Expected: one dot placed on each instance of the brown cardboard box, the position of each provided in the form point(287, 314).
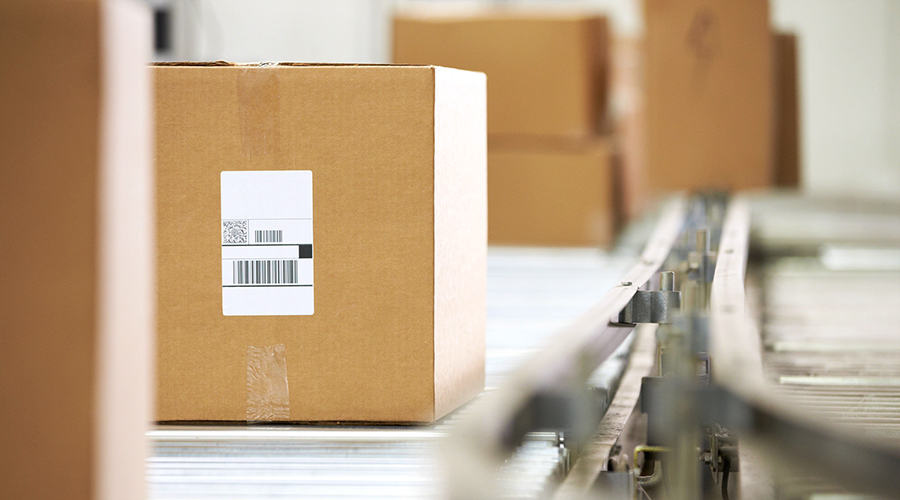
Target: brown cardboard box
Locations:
point(546, 72)
point(551, 193)
point(628, 118)
point(395, 159)
point(77, 298)
point(787, 111)
point(709, 95)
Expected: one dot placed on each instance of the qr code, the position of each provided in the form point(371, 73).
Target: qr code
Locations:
point(235, 231)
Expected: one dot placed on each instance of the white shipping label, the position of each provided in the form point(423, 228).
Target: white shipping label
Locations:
point(267, 237)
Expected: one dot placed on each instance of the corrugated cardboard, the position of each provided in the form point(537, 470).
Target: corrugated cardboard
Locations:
point(77, 302)
point(709, 96)
point(787, 111)
point(398, 157)
point(546, 72)
point(551, 193)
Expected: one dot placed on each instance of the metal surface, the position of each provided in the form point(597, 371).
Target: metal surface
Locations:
point(594, 459)
point(653, 306)
point(834, 333)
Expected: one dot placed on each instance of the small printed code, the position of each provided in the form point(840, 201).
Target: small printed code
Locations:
point(235, 231)
point(268, 236)
point(265, 272)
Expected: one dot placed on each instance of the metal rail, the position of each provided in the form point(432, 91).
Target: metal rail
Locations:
point(594, 458)
point(548, 391)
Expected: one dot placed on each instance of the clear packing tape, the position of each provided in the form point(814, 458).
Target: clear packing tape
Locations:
point(267, 384)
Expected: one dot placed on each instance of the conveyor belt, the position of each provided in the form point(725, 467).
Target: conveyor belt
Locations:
point(833, 349)
point(822, 416)
point(804, 351)
point(532, 293)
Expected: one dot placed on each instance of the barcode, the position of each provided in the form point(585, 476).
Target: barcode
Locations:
point(265, 272)
point(268, 236)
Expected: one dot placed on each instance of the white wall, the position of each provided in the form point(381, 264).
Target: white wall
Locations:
point(284, 30)
point(849, 66)
point(850, 93)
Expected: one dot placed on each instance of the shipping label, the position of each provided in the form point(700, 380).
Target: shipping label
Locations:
point(267, 243)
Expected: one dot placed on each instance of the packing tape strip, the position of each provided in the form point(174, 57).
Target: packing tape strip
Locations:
point(258, 91)
point(267, 384)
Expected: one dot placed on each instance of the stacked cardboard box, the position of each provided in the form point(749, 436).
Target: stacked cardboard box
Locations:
point(550, 193)
point(550, 173)
point(708, 100)
point(708, 94)
point(322, 241)
point(76, 304)
point(627, 115)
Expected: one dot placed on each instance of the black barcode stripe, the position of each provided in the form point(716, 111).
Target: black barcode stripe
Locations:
point(265, 272)
point(268, 236)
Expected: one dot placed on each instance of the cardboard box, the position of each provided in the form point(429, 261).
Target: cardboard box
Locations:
point(628, 118)
point(384, 316)
point(551, 193)
point(77, 303)
point(787, 111)
point(546, 72)
point(709, 96)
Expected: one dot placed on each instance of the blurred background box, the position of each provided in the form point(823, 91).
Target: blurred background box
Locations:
point(709, 94)
point(553, 193)
point(628, 119)
point(628, 115)
point(849, 103)
point(77, 304)
point(546, 71)
point(397, 270)
point(551, 175)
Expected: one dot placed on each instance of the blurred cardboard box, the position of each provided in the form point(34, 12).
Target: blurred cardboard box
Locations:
point(627, 115)
point(550, 177)
point(77, 304)
point(552, 193)
point(787, 111)
point(546, 71)
point(382, 319)
point(709, 94)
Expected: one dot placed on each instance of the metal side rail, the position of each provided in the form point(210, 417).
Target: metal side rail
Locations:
point(548, 391)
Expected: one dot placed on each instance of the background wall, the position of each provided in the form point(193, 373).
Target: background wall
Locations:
point(850, 92)
point(849, 65)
